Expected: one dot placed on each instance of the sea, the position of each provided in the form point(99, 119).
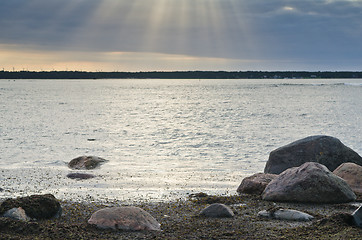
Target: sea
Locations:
point(164, 139)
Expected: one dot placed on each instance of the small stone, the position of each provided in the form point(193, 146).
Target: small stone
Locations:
point(357, 217)
point(217, 210)
point(124, 218)
point(17, 214)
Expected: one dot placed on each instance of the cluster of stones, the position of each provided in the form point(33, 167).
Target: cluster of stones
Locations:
point(316, 169)
point(298, 172)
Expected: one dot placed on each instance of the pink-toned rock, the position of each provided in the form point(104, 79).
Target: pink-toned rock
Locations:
point(124, 218)
point(256, 183)
point(85, 162)
point(325, 150)
point(352, 174)
point(312, 182)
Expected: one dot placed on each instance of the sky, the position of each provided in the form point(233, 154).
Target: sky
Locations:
point(181, 35)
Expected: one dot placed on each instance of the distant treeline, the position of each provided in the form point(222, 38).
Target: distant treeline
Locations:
point(174, 75)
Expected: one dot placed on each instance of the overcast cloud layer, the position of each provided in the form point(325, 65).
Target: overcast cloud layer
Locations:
point(247, 35)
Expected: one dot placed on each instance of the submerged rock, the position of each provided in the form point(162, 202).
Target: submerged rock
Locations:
point(80, 175)
point(256, 183)
point(85, 162)
point(124, 218)
point(325, 150)
point(35, 206)
point(311, 182)
point(285, 214)
point(217, 210)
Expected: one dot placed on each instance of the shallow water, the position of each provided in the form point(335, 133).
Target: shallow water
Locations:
point(163, 138)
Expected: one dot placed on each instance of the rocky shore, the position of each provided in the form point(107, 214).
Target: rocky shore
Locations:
point(297, 197)
point(181, 220)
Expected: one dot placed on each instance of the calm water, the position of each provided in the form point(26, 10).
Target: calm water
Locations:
point(163, 138)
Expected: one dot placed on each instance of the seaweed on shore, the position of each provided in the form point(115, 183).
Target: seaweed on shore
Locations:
point(178, 222)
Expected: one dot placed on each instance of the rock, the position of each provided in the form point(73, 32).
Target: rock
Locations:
point(17, 214)
point(217, 210)
point(124, 218)
point(1, 189)
point(285, 214)
point(80, 175)
point(256, 183)
point(326, 150)
point(312, 182)
point(357, 217)
point(85, 162)
point(352, 174)
point(35, 206)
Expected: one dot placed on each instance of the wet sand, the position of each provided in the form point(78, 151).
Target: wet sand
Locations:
point(180, 220)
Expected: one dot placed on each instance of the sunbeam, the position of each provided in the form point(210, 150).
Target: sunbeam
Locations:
point(299, 33)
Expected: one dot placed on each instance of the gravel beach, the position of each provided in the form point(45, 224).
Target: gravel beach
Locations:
point(180, 220)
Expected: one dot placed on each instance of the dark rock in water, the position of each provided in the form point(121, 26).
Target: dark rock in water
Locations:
point(217, 210)
point(357, 217)
point(124, 218)
point(256, 183)
point(80, 175)
point(85, 162)
point(325, 150)
point(352, 174)
point(1, 189)
point(312, 182)
point(35, 206)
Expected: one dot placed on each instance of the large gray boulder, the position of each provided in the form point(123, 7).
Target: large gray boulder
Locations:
point(326, 150)
point(352, 174)
point(124, 218)
point(255, 184)
point(85, 162)
point(312, 182)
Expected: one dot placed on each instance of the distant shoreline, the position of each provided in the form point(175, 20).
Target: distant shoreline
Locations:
point(177, 75)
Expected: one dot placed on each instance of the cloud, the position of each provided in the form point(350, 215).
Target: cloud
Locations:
point(297, 31)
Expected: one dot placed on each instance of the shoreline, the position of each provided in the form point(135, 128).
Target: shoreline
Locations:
point(179, 220)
